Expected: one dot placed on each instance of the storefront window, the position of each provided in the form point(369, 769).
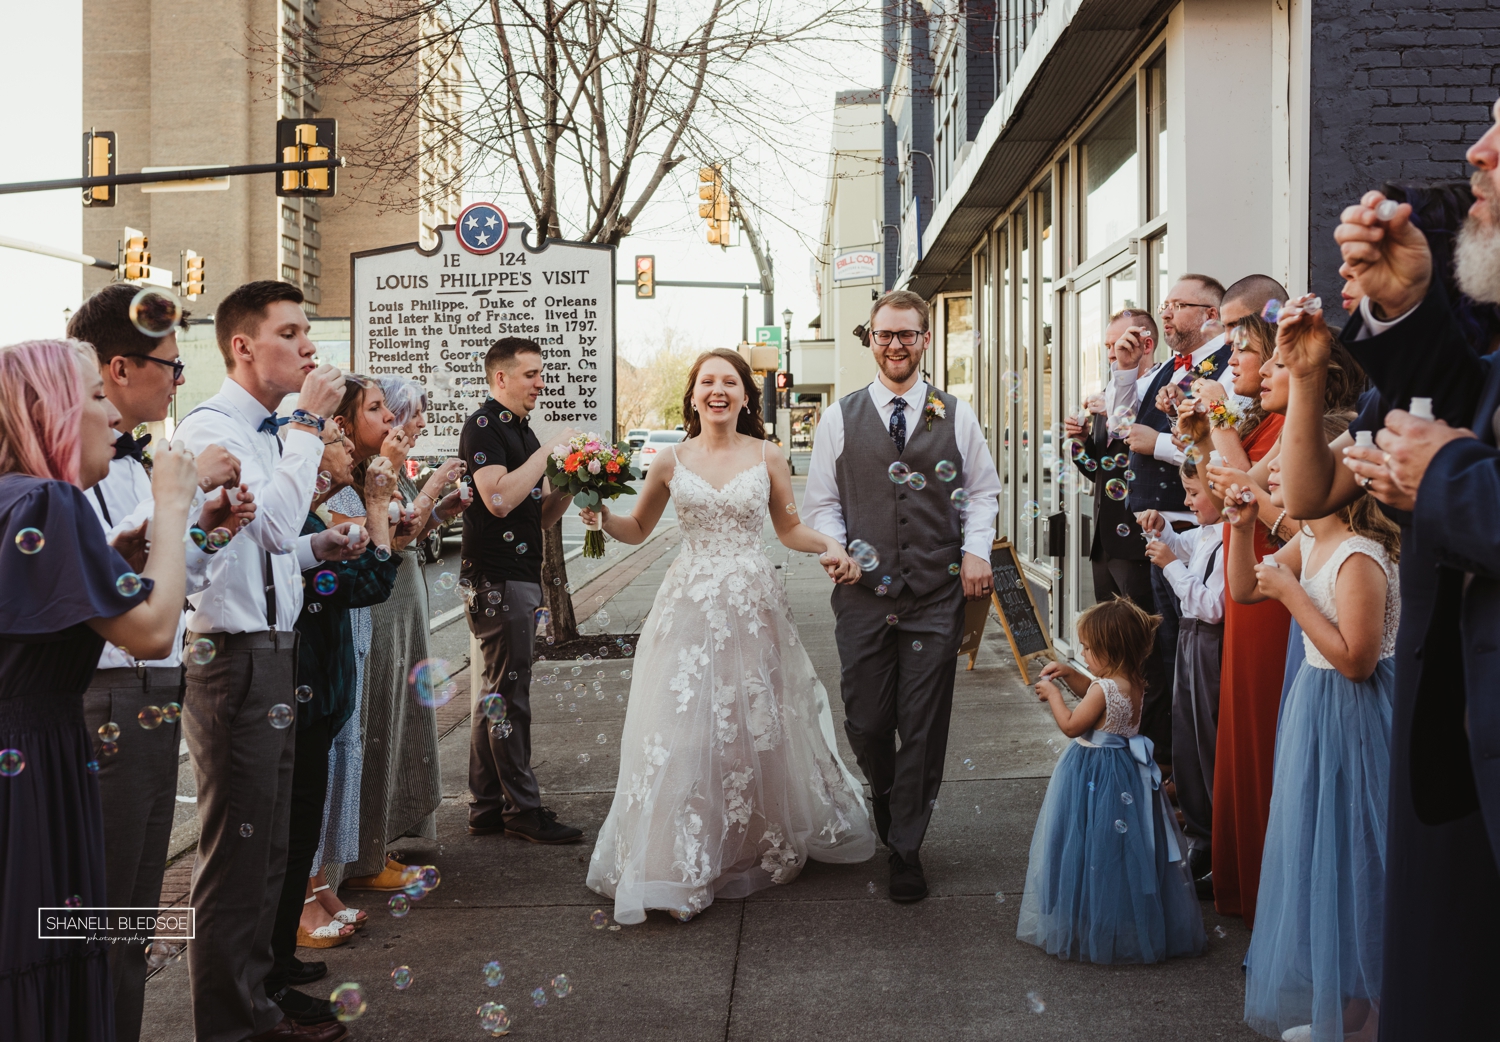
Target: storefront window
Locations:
point(1006, 398)
point(1030, 510)
point(1110, 186)
point(958, 339)
point(1050, 371)
point(1156, 132)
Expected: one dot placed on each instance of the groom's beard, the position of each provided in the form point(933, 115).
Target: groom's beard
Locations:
point(1476, 256)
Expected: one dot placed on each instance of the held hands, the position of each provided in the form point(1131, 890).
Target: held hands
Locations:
point(322, 390)
point(380, 482)
point(1389, 255)
point(217, 466)
point(336, 545)
point(1303, 340)
point(174, 478)
point(839, 565)
point(1410, 444)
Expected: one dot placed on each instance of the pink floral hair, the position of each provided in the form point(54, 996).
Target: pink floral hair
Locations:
point(42, 442)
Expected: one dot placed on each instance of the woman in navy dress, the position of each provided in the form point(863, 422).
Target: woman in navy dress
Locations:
point(63, 592)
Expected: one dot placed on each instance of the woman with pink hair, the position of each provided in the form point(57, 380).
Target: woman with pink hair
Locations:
point(64, 591)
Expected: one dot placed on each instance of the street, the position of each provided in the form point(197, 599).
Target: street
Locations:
point(827, 957)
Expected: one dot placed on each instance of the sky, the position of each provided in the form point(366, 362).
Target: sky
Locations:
point(788, 177)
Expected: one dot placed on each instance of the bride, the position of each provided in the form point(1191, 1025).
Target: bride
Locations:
point(730, 777)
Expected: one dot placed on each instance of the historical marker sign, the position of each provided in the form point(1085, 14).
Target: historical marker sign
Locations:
point(432, 315)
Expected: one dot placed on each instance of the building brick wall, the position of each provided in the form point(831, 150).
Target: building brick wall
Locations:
point(1399, 89)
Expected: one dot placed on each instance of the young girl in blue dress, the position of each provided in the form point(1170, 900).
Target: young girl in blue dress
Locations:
point(1313, 970)
point(1108, 881)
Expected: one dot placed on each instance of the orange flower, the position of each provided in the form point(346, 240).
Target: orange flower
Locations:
point(612, 467)
point(571, 463)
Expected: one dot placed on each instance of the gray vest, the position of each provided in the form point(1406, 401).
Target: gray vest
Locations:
point(917, 533)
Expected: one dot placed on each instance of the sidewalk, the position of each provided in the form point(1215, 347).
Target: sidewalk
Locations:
point(822, 958)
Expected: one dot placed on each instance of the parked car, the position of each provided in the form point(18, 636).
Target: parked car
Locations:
point(636, 438)
point(654, 443)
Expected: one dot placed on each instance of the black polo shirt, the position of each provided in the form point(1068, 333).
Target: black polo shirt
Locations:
point(488, 554)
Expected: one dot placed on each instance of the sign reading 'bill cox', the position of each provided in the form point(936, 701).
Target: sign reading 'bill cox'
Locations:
point(856, 264)
point(432, 315)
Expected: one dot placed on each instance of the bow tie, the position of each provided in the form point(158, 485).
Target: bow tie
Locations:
point(125, 445)
point(1182, 362)
point(272, 424)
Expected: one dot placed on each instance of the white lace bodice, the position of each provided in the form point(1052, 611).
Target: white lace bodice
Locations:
point(721, 521)
point(1320, 587)
point(1118, 711)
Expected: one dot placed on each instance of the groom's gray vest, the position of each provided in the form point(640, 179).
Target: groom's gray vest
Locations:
point(915, 532)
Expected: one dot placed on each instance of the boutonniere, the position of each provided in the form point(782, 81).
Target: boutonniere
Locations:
point(934, 409)
point(1206, 367)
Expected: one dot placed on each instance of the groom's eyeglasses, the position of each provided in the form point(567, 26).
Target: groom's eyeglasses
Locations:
point(883, 337)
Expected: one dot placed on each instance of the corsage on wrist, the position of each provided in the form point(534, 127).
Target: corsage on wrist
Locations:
point(1221, 415)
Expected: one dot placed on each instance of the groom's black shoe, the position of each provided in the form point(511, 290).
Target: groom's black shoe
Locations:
point(907, 881)
point(541, 826)
point(882, 807)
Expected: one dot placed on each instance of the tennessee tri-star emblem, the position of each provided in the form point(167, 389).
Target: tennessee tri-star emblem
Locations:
point(481, 228)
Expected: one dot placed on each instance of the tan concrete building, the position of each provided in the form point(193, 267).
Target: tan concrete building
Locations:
point(184, 83)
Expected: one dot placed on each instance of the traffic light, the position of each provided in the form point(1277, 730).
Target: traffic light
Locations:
point(192, 274)
point(301, 141)
point(645, 278)
point(136, 264)
point(99, 161)
point(716, 209)
point(784, 380)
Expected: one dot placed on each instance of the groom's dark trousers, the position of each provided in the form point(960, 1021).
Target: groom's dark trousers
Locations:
point(898, 680)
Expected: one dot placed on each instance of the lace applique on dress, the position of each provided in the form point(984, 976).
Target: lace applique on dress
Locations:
point(1118, 710)
point(1321, 587)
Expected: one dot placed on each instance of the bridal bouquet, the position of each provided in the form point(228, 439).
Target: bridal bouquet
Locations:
point(592, 470)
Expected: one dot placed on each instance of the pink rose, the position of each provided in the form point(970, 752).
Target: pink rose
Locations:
point(593, 466)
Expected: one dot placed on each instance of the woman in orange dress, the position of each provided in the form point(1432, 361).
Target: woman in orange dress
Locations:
point(1255, 635)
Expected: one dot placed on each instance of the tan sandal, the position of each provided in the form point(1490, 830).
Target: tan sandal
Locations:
point(348, 916)
point(329, 935)
point(394, 876)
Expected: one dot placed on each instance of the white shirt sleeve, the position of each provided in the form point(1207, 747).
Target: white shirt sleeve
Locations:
point(821, 508)
point(306, 559)
point(981, 481)
point(1167, 452)
point(1200, 600)
point(282, 500)
point(1122, 389)
point(1373, 326)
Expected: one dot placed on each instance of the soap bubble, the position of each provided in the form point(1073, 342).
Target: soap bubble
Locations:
point(1034, 1002)
point(598, 919)
point(1122, 529)
point(583, 758)
point(1011, 381)
point(864, 555)
point(999, 897)
point(520, 548)
point(600, 740)
point(401, 977)
point(1031, 510)
point(446, 581)
point(947, 470)
point(1121, 827)
point(479, 459)
point(109, 748)
point(538, 997)
point(1090, 465)
point(1127, 798)
point(482, 421)
point(246, 830)
point(1116, 489)
point(969, 765)
point(382, 553)
point(109, 732)
point(1239, 336)
point(891, 620)
point(129, 584)
point(304, 693)
point(602, 618)
point(916, 645)
point(509, 537)
point(1211, 328)
point(348, 1002)
point(1122, 460)
point(219, 538)
point(561, 986)
point(1387, 209)
point(399, 904)
point(1129, 475)
point(12, 762)
point(159, 954)
point(494, 1018)
point(92, 766)
point(1108, 463)
point(881, 590)
point(505, 416)
point(492, 707)
point(324, 482)
point(1220, 932)
point(325, 582)
point(916, 481)
point(202, 651)
point(155, 312)
point(171, 711)
point(625, 674)
point(536, 493)
point(953, 568)
point(899, 472)
point(503, 729)
point(150, 717)
point(494, 973)
point(1272, 311)
point(430, 683)
point(281, 716)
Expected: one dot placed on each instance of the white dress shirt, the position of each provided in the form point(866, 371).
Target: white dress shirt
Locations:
point(1165, 450)
point(235, 600)
point(821, 508)
point(1202, 596)
point(122, 501)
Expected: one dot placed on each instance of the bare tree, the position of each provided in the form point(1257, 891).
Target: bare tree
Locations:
point(581, 106)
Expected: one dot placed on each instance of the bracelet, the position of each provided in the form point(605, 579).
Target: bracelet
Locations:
point(1274, 535)
point(308, 419)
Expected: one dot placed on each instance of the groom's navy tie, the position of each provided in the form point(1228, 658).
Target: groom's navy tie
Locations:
point(898, 424)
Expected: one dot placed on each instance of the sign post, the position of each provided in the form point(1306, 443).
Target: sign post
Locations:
point(432, 315)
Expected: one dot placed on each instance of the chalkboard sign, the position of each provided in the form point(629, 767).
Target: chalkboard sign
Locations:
point(1018, 613)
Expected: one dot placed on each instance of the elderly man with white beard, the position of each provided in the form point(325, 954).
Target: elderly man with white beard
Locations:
point(1442, 886)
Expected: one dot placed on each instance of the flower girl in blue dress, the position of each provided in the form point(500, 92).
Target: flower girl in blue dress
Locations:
point(1108, 881)
point(1313, 970)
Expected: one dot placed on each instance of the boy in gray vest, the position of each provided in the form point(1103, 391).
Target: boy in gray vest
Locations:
point(887, 461)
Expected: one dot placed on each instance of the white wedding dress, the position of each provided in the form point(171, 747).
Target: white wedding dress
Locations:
point(730, 777)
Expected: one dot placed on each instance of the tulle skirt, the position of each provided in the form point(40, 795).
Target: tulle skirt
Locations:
point(1317, 943)
point(730, 778)
point(1099, 885)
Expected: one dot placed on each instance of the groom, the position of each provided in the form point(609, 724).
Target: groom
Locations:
point(898, 628)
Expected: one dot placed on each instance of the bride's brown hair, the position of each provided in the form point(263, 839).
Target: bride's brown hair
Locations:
point(749, 421)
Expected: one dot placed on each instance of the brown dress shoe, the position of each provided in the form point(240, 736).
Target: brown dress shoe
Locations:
point(288, 1031)
point(392, 877)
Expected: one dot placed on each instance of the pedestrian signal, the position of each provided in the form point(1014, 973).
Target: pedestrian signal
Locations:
point(192, 274)
point(784, 380)
point(302, 141)
point(716, 208)
point(99, 161)
point(136, 261)
point(645, 278)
